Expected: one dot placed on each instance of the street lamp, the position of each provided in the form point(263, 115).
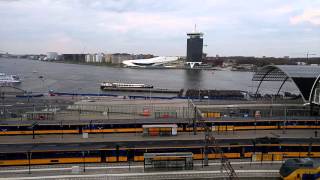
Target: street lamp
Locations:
point(29, 161)
point(285, 120)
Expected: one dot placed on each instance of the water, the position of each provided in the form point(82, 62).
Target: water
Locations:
point(85, 78)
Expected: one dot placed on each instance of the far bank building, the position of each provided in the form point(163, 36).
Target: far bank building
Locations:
point(194, 49)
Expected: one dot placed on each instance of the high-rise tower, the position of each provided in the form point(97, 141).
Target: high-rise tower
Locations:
point(194, 48)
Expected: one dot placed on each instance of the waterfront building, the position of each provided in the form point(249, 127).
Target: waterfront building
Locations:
point(77, 58)
point(301, 63)
point(88, 58)
point(214, 61)
point(150, 62)
point(107, 58)
point(228, 63)
point(194, 48)
point(94, 58)
point(118, 58)
point(142, 56)
point(99, 57)
point(6, 55)
point(51, 56)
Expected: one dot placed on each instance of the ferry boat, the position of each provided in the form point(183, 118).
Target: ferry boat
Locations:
point(106, 85)
point(4, 79)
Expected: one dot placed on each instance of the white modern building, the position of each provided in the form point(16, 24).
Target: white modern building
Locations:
point(151, 62)
point(94, 58)
point(51, 56)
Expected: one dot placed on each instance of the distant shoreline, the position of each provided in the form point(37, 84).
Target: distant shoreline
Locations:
point(120, 66)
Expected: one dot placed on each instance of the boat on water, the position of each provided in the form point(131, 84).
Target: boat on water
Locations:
point(9, 79)
point(108, 85)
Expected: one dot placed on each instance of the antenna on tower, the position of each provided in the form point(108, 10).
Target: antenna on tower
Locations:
point(195, 27)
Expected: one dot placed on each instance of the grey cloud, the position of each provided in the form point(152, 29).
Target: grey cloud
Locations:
point(151, 25)
point(121, 6)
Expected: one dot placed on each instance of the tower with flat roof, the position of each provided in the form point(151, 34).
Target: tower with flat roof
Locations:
point(194, 48)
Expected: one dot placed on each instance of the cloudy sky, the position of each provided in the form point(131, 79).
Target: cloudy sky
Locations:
point(231, 27)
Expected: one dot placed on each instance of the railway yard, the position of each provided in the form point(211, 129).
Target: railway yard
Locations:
point(108, 137)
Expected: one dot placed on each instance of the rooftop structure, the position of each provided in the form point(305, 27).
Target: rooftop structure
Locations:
point(314, 97)
point(303, 77)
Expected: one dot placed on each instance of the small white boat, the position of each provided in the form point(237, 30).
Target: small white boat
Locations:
point(4, 78)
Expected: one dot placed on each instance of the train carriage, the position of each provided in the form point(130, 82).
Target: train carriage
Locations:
point(50, 155)
point(22, 128)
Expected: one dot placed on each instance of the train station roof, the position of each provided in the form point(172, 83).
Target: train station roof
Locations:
point(302, 76)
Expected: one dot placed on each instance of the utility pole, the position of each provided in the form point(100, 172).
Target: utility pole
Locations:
point(309, 54)
point(84, 160)
point(29, 161)
point(195, 121)
point(61, 126)
point(196, 116)
point(33, 126)
point(285, 120)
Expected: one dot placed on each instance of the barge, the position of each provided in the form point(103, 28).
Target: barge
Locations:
point(106, 85)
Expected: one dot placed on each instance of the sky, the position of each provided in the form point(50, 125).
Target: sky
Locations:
point(231, 27)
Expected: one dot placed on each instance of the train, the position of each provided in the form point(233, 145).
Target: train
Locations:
point(300, 169)
point(110, 154)
point(26, 127)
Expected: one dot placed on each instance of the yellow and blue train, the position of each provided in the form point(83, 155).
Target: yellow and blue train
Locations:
point(300, 169)
point(217, 125)
point(67, 153)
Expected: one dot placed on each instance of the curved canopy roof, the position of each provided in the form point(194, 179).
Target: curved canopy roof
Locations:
point(315, 96)
point(302, 76)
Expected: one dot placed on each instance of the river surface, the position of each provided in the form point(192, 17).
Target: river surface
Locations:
point(75, 78)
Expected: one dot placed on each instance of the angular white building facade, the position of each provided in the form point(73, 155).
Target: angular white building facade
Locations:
point(152, 62)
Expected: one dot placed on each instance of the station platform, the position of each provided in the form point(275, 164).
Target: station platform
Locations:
point(98, 141)
point(125, 137)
